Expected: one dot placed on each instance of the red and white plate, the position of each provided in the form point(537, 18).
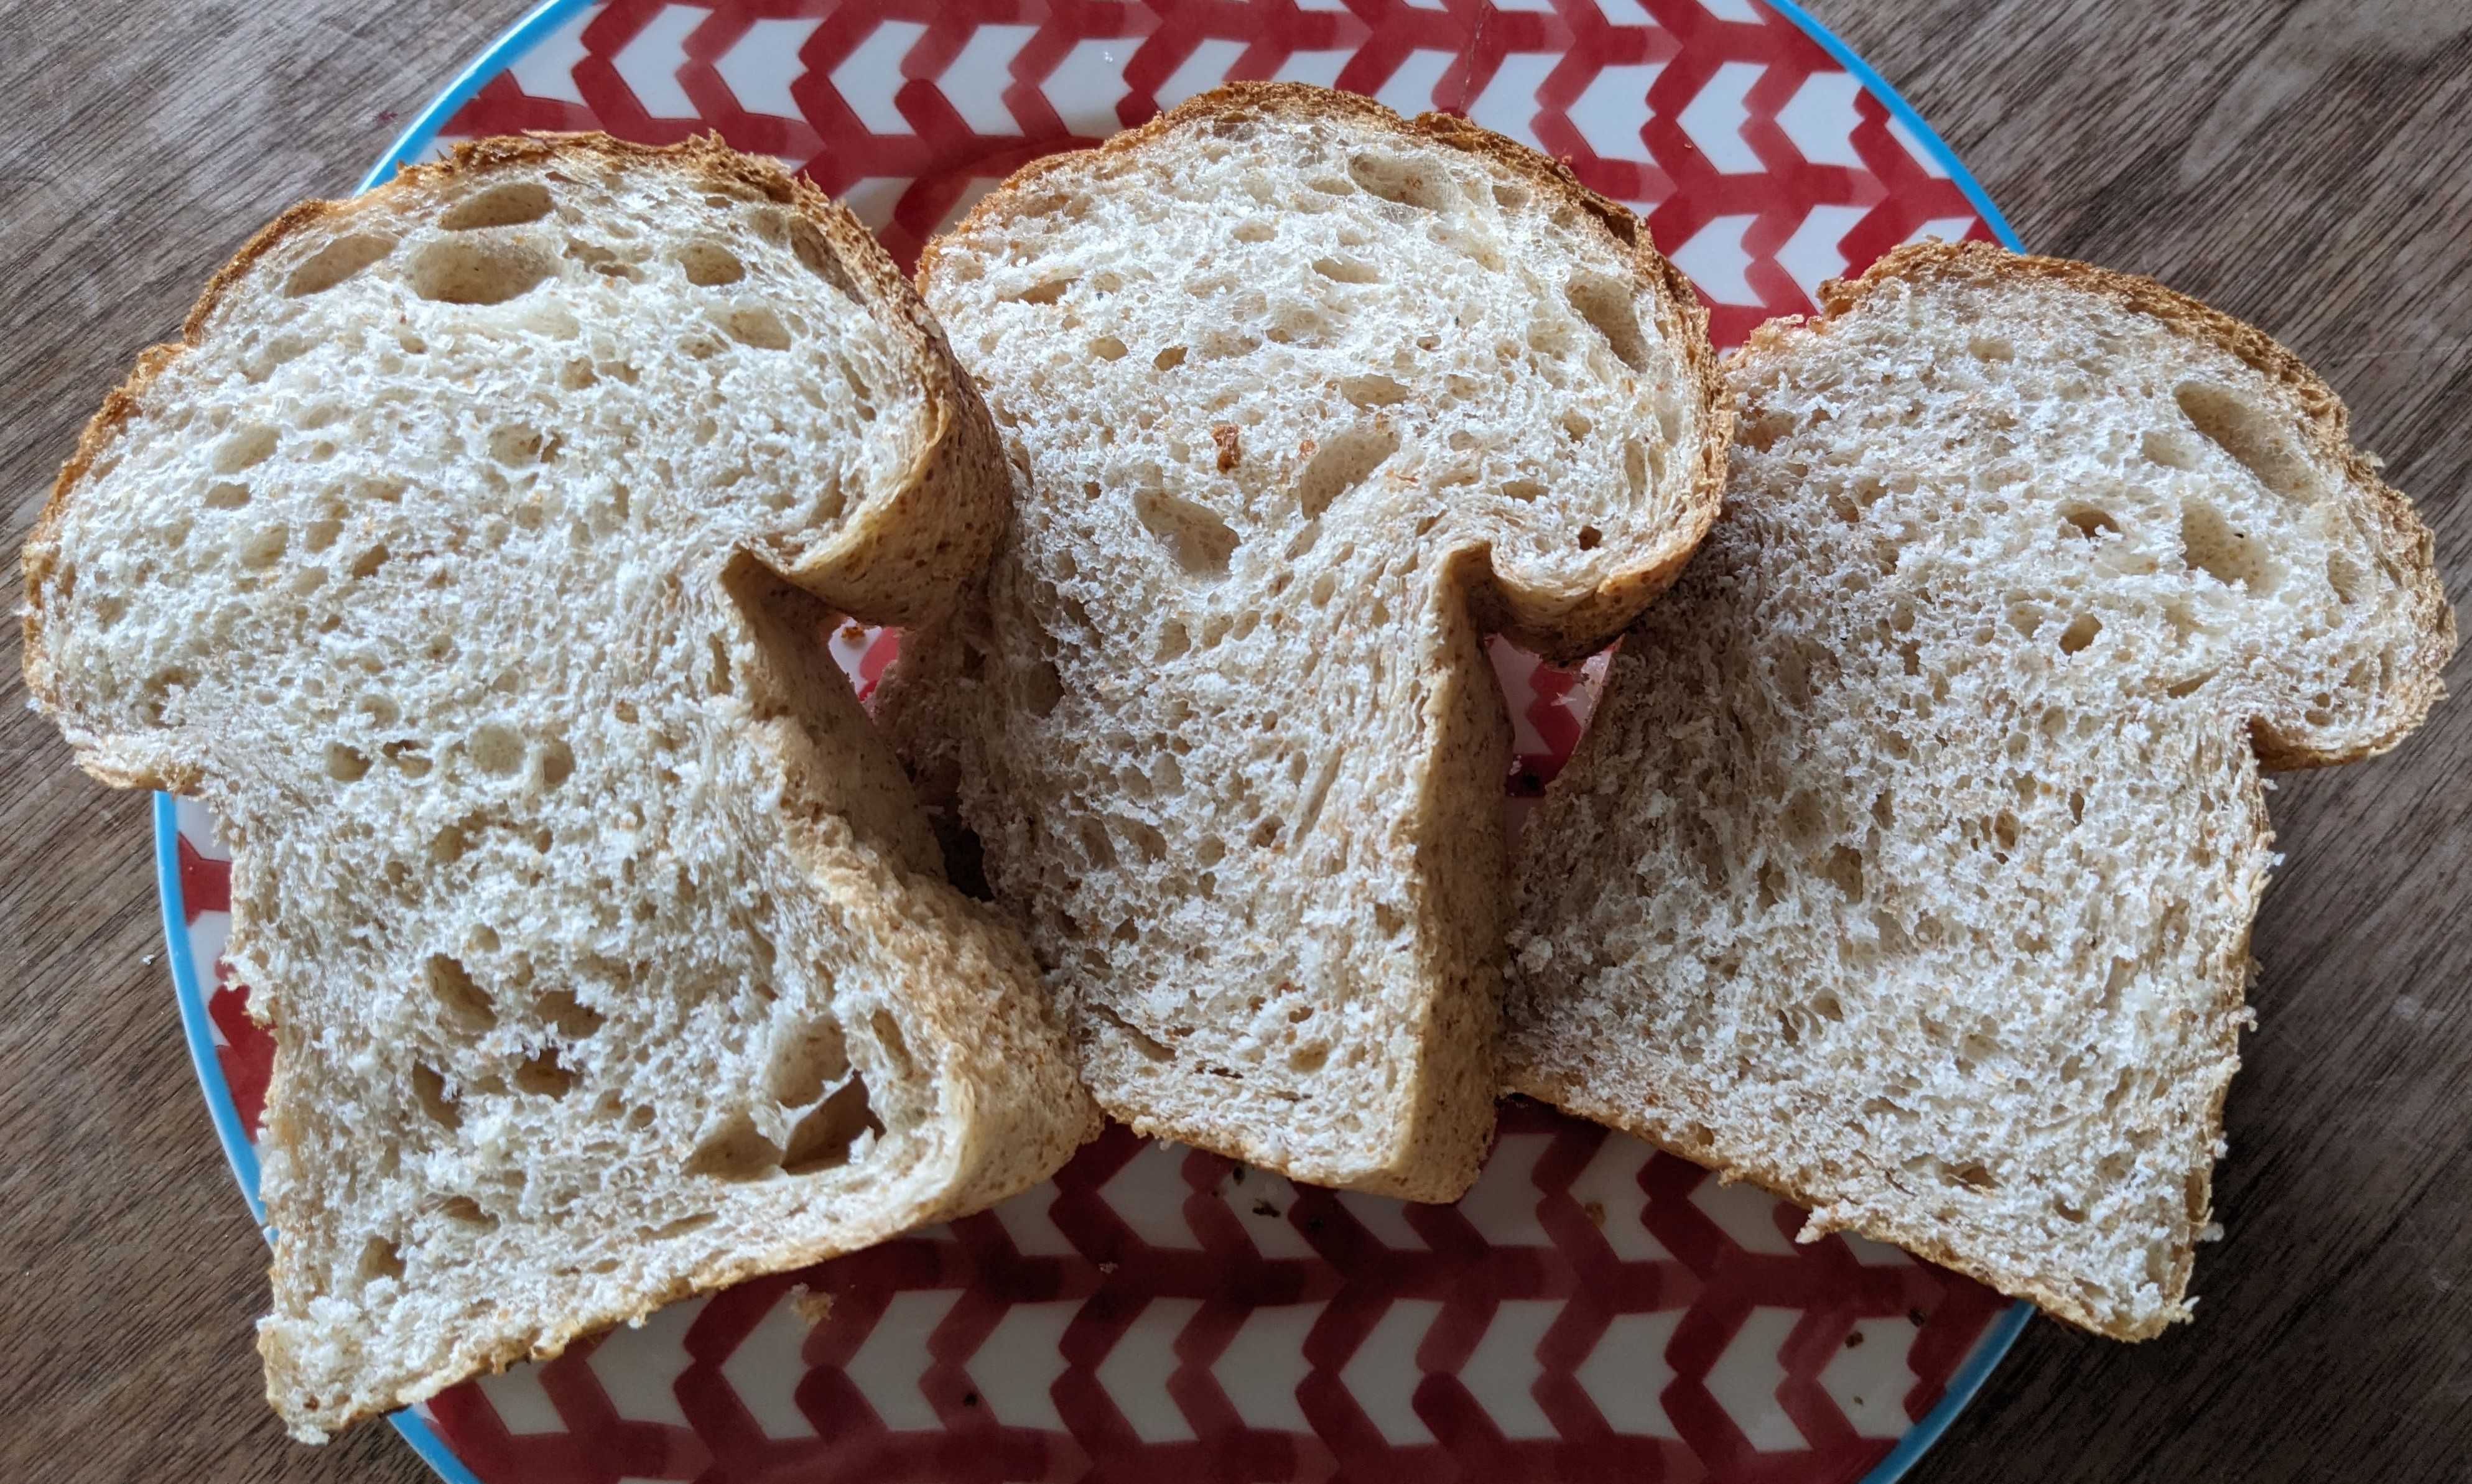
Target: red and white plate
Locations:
point(1594, 1310)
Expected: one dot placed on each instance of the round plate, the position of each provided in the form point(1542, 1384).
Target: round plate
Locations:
point(1593, 1310)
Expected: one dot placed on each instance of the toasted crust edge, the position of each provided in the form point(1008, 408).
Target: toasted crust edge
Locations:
point(1578, 629)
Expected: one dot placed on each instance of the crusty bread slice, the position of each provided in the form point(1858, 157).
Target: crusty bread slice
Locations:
point(469, 557)
point(1908, 865)
point(1308, 398)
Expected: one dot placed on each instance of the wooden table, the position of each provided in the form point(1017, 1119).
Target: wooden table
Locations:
point(2307, 166)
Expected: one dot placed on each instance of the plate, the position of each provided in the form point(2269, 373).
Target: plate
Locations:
point(1593, 1310)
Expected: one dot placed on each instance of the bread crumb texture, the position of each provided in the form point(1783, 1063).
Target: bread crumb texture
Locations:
point(1909, 866)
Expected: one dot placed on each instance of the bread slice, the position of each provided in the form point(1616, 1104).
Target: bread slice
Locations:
point(1908, 865)
point(1308, 398)
point(469, 557)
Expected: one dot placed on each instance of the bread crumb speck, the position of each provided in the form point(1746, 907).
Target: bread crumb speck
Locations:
point(810, 1305)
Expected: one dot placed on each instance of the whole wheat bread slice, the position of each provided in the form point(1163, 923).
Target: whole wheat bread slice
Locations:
point(1908, 865)
point(1308, 398)
point(470, 556)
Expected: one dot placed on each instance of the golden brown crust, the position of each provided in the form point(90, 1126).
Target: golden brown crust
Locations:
point(2385, 512)
point(1548, 622)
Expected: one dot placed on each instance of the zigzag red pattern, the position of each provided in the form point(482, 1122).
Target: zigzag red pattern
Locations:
point(1594, 1311)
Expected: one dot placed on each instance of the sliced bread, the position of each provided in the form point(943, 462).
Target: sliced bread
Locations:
point(1307, 398)
point(470, 556)
point(1908, 865)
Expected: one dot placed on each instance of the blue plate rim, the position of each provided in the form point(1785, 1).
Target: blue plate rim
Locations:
point(415, 139)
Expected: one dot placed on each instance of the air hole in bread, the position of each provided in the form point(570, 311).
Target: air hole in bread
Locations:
point(1168, 359)
point(888, 1036)
point(495, 749)
point(476, 270)
point(1038, 687)
point(2258, 440)
point(1605, 304)
point(1590, 538)
point(514, 445)
point(828, 1134)
point(1293, 324)
point(1148, 1048)
point(669, 1230)
point(1523, 490)
point(1225, 345)
point(1198, 539)
point(107, 610)
point(1974, 1177)
point(320, 532)
point(263, 547)
point(1341, 464)
point(808, 242)
point(1843, 867)
point(1373, 390)
point(450, 843)
point(429, 1090)
point(1046, 292)
point(1991, 348)
point(2210, 544)
point(1106, 347)
point(2346, 576)
point(511, 204)
point(543, 1076)
point(1096, 848)
point(709, 265)
point(345, 763)
point(735, 1151)
point(1467, 245)
point(1397, 181)
point(1257, 229)
point(465, 1002)
point(379, 1258)
point(1509, 194)
point(556, 763)
point(2084, 520)
point(241, 449)
point(336, 261)
point(2169, 449)
point(2079, 633)
point(805, 1063)
point(757, 323)
point(1346, 270)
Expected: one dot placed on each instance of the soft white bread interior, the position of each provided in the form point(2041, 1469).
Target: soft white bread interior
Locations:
point(470, 556)
point(1307, 397)
point(1908, 865)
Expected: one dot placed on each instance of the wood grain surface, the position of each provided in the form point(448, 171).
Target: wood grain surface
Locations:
point(2307, 166)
